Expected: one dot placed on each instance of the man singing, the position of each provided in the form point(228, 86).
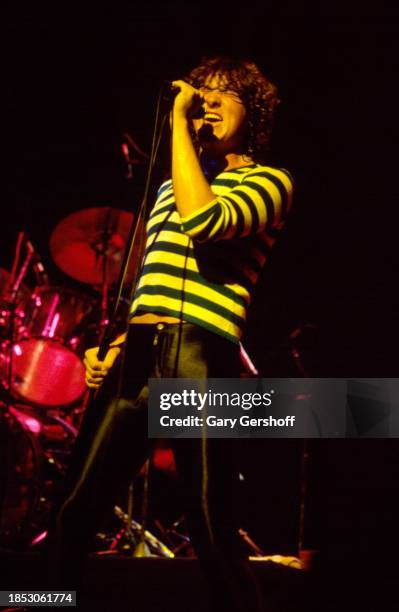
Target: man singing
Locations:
point(208, 236)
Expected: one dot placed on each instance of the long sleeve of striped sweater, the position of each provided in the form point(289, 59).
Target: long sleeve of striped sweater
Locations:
point(256, 204)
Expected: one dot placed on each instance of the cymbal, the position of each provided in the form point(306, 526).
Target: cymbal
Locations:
point(5, 289)
point(82, 241)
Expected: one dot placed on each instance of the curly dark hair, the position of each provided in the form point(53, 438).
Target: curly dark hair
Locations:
point(257, 93)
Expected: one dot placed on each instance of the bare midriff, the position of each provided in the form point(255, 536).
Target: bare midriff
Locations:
point(151, 317)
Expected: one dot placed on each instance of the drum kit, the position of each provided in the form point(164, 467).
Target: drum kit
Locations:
point(44, 332)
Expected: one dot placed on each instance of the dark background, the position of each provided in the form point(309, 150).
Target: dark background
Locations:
point(78, 78)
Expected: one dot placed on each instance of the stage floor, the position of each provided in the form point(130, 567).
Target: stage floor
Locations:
point(156, 584)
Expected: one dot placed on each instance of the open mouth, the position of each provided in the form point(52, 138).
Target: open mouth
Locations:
point(212, 117)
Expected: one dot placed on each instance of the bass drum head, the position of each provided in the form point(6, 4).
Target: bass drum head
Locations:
point(47, 374)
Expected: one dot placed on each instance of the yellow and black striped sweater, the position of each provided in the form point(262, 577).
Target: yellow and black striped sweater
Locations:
point(202, 268)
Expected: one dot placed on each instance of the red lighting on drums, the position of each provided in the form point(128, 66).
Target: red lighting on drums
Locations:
point(54, 324)
point(17, 350)
point(28, 422)
point(74, 342)
point(33, 425)
point(48, 374)
point(44, 331)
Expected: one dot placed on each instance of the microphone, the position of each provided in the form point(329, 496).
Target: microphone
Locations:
point(169, 93)
point(37, 264)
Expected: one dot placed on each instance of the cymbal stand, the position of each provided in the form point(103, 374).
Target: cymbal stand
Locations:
point(12, 305)
point(10, 336)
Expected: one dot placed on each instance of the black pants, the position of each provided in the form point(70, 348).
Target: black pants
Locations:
point(113, 445)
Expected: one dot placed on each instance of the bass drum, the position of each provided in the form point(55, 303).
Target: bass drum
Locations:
point(34, 454)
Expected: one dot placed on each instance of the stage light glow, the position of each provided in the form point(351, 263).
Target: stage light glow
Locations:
point(17, 350)
point(54, 324)
point(39, 538)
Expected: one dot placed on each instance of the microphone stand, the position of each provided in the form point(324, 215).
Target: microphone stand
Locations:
point(138, 548)
point(73, 478)
point(142, 214)
point(103, 249)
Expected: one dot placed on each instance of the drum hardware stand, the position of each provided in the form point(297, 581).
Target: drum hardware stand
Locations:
point(128, 529)
point(306, 456)
point(133, 539)
point(185, 542)
point(11, 302)
point(153, 547)
point(171, 532)
point(78, 412)
point(140, 550)
point(128, 540)
point(250, 543)
point(12, 305)
point(125, 541)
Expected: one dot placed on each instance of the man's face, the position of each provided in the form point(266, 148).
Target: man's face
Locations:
point(223, 127)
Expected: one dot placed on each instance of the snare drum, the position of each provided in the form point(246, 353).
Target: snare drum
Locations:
point(47, 371)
